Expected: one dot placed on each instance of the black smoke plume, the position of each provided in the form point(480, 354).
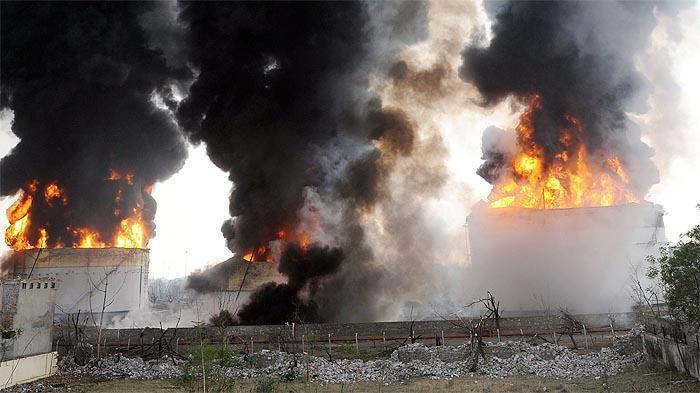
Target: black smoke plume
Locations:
point(81, 81)
point(579, 58)
point(273, 86)
point(282, 103)
point(274, 303)
point(214, 278)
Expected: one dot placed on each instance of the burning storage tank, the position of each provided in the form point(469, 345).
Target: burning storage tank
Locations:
point(90, 278)
point(99, 255)
point(232, 281)
point(565, 223)
point(566, 219)
point(583, 258)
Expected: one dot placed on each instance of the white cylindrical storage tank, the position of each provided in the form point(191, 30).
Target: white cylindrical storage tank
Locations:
point(581, 258)
point(86, 275)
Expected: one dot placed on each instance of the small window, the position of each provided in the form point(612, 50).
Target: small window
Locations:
point(24, 285)
point(53, 285)
point(46, 285)
point(38, 285)
point(31, 285)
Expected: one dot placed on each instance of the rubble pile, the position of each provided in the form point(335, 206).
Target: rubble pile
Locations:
point(110, 367)
point(549, 360)
point(408, 361)
point(284, 365)
point(417, 360)
point(419, 352)
point(117, 366)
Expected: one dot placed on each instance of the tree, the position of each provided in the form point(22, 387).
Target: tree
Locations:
point(494, 307)
point(645, 296)
point(162, 290)
point(570, 325)
point(678, 270)
point(476, 327)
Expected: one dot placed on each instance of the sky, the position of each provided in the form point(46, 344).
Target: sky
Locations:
point(193, 203)
point(679, 189)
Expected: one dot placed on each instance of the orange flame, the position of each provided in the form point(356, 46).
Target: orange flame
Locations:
point(88, 239)
point(15, 234)
point(250, 256)
point(20, 208)
point(131, 232)
point(53, 191)
point(114, 175)
point(571, 179)
point(303, 241)
point(43, 238)
point(17, 215)
point(269, 253)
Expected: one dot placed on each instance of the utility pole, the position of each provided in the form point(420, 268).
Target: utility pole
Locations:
point(186, 252)
point(466, 240)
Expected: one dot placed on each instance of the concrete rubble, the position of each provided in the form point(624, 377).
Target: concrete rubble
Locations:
point(417, 360)
point(117, 366)
point(549, 360)
point(111, 367)
point(409, 361)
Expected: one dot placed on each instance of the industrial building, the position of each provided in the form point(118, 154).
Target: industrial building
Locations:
point(580, 258)
point(27, 329)
point(90, 278)
point(228, 285)
point(246, 277)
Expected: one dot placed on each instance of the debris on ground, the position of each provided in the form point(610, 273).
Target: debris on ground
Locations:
point(118, 366)
point(110, 367)
point(408, 361)
point(417, 360)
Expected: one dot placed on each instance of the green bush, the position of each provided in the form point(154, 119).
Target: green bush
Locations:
point(679, 273)
point(265, 386)
point(348, 351)
point(212, 353)
point(224, 318)
point(289, 376)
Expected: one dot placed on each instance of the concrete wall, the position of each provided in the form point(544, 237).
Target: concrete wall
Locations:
point(678, 356)
point(340, 332)
point(28, 369)
point(27, 317)
point(83, 273)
